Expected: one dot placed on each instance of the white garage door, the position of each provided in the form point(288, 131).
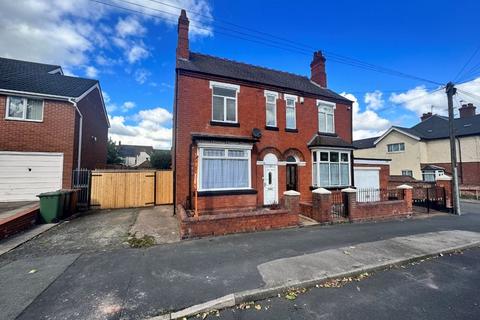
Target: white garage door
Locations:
point(367, 178)
point(23, 175)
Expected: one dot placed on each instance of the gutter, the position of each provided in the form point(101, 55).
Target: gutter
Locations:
point(80, 133)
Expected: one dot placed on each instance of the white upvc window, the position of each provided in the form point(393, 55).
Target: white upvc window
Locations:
point(395, 147)
point(407, 172)
point(331, 168)
point(224, 167)
point(326, 116)
point(431, 175)
point(26, 109)
point(290, 111)
point(224, 102)
point(271, 108)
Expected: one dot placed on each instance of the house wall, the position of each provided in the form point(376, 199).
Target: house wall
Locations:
point(56, 133)
point(415, 153)
point(194, 94)
point(95, 131)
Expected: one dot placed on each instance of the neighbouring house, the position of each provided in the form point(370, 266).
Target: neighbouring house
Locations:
point(245, 134)
point(50, 124)
point(423, 151)
point(134, 156)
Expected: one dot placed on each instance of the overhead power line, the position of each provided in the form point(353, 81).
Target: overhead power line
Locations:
point(466, 63)
point(280, 43)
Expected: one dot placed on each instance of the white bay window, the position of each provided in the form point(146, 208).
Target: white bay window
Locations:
point(21, 108)
point(331, 168)
point(224, 167)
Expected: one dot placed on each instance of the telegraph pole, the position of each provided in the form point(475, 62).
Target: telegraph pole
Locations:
point(451, 91)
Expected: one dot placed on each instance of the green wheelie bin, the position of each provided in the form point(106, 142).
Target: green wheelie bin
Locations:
point(51, 206)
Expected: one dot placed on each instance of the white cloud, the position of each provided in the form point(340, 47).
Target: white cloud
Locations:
point(127, 105)
point(129, 26)
point(151, 128)
point(91, 72)
point(374, 100)
point(368, 123)
point(419, 100)
point(73, 33)
point(141, 75)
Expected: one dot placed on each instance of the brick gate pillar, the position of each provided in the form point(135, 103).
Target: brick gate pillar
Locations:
point(407, 196)
point(321, 205)
point(292, 201)
point(446, 183)
point(351, 202)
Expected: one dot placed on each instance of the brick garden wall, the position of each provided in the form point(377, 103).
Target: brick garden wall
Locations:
point(21, 221)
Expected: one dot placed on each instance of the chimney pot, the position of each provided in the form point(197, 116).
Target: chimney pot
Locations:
point(425, 116)
point(182, 44)
point(317, 69)
point(467, 110)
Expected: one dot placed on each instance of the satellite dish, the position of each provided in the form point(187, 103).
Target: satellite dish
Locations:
point(256, 133)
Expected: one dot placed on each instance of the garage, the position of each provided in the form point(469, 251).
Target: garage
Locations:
point(367, 178)
point(23, 175)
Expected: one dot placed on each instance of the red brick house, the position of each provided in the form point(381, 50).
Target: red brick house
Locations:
point(244, 134)
point(49, 124)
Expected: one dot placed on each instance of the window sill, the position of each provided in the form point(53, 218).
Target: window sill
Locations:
point(330, 188)
point(24, 120)
point(224, 124)
point(291, 130)
point(330, 134)
point(232, 192)
point(271, 128)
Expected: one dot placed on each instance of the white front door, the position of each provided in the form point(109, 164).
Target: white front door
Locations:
point(270, 179)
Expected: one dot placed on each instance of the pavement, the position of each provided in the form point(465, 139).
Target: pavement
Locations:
point(121, 283)
point(157, 222)
point(441, 288)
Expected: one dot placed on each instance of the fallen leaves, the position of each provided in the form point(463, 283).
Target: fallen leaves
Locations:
point(340, 282)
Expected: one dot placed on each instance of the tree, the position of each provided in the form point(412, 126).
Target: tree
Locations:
point(161, 159)
point(113, 156)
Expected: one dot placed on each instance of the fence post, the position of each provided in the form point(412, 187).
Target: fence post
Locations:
point(321, 205)
point(446, 183)
point(292, 201)
point(408, 196)
point(351, 202)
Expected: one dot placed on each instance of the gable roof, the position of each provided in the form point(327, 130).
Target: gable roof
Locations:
point(237, 70)
point(365, 143)
point(126, 150)
point(35, 78)
point(435, 127)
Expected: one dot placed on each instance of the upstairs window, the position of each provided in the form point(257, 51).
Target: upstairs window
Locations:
point(326, 117)
point(396, 147)
point(271, 108)
point(20, 108)
point(224, 102)
point(407, 173)
point(291, 116)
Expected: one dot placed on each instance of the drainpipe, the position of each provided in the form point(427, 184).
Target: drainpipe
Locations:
point(79, 155)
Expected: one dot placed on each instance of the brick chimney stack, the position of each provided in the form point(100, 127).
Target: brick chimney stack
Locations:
point(467, 110)
point(317, 69)
point(425, 116)
point(182, 45)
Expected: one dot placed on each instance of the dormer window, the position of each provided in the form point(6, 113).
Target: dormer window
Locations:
point(326, 116)
point(20, 108)
point(224, 102)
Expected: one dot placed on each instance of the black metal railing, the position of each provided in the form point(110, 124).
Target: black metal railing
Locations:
point(81, 181)
point(376, 195)
point(339, 205)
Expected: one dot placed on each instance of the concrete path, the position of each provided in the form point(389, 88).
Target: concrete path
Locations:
point(158, 222)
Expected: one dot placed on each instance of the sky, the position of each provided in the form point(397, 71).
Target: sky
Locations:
point(133, 54)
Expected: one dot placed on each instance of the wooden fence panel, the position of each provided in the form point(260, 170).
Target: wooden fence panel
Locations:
point(122, 189)
point(164, 187)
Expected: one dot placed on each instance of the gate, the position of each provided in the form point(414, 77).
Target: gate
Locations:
point(430, 198)
point(81, 181)
point(339, 209)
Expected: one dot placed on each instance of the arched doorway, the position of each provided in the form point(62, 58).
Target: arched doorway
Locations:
point(292, 173)
point(270, 179)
